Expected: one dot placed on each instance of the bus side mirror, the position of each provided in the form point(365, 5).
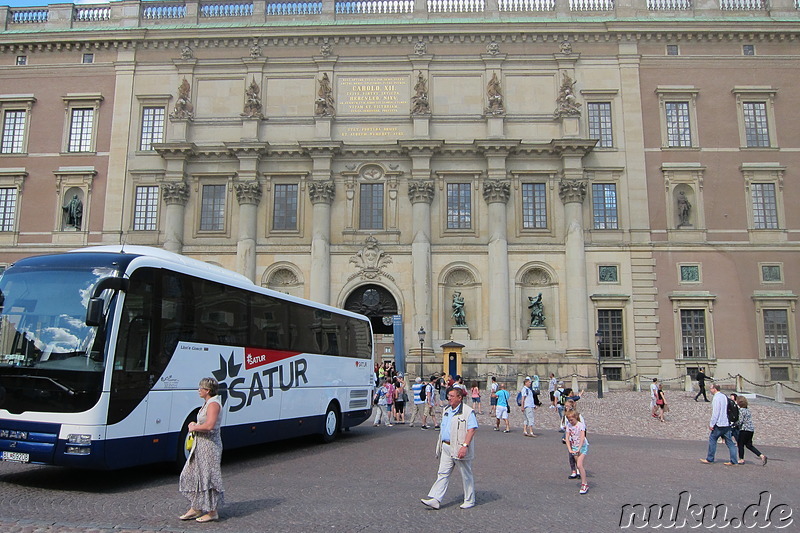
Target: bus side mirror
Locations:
point(94, 312)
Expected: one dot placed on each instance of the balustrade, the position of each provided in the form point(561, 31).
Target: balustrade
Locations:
point(591, 5)
point(370, 7)
point(742, 5)
point(28, 16)
point(669, 5)
point(91, 14)
point(294, 8)
point(528, 5)
point(456, 6)
point(159, 11)
point(226, 9)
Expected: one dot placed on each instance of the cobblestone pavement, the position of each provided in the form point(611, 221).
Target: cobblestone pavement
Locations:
point(372, 478)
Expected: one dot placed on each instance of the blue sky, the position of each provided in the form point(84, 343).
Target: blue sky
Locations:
point(42, 3)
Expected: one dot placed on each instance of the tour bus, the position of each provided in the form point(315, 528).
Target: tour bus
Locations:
point(102, 350)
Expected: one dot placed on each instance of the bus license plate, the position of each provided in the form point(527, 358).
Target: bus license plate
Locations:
point(16, 457)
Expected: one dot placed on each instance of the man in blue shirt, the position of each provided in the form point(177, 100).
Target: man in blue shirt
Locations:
point(454, 447)
point(719, 427)
point(501, 413)
point(419, 404)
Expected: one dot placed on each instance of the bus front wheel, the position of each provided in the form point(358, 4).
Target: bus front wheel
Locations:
point(333, 422)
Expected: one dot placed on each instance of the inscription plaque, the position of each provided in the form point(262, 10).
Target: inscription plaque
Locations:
point(373, 95)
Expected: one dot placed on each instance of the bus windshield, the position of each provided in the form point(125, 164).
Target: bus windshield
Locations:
point(49, 360)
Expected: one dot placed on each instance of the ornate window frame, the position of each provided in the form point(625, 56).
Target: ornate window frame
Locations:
point(678, 93)
point(212, 178)
point(285, 178)
point(784, 300)
point(17, 102)
point(703, 300)
point(759, 94)
point(13, 178)
point(81, 101)
point(765, 173)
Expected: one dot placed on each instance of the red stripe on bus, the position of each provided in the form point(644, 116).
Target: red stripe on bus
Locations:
point(255, 357)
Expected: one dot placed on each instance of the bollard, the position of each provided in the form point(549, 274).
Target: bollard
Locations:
point(779, 393)
point(638, 383)
point(687, 383)
point(739, 383)
point(605, 384)
point(575, 389)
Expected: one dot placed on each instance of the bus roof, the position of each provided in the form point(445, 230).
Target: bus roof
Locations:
point(165, 255)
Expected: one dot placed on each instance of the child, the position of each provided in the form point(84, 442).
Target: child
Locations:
point(570, 406)
point(577, 445)
point(476, 397)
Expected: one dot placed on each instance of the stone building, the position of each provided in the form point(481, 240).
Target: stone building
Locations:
point(535, 181)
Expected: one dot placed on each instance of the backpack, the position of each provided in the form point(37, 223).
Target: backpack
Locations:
point(519, 398)
point(562, 398)
point(422, 393)
point(733, 413)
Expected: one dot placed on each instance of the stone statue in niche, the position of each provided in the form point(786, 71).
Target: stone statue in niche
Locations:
point(325, 106)
point(495, 96)
point(537, 311)
point(252, 103)
point(684, 210)
point(183, 106)
point(419, 102)
point(73, 213)
point(567, 102)
point(459, 315)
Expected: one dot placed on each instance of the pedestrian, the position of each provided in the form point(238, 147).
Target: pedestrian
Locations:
point(475, 393)
point(527, 407)
point(733, 409)
point(455, 447)
point(400, 398)
point(654, 398)
point(459, 382)
point(661, 403)
point(573, 464)
point(430, 403)
point(201, 478)
point(719, 427)
point(501, 411)
point(381, 395)
point(441, 389)
point(564, 397)
point(701, 382)
point(551, 389)
point(493, 396)
point(561, 399)
point(578, 445)
point(419, 403)
point(746, 430)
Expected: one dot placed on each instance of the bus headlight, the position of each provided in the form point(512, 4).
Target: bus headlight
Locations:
point(75, 438)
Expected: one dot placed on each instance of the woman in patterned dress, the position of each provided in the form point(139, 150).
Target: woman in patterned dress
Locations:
point(201, 479)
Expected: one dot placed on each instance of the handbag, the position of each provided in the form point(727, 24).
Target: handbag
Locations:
point(405, 397)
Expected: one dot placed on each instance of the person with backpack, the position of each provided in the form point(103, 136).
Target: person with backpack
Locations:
point(419, 399)
point(429, 393)
point(719, 426)
point(502, 408)
point(527, 403)
point(733, 415)
point(382, 396)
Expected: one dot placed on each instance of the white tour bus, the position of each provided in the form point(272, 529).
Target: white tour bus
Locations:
point(102, 348)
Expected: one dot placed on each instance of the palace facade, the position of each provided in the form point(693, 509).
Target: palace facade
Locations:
point(532, 182)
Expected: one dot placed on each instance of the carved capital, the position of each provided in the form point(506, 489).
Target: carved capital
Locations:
point(496, 191)
point(420, 191)
point(175, 193)
point(321, 191)
point(248, 192)
point(572, 191)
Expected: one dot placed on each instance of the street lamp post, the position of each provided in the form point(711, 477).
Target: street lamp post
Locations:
point(599, 338)
point(421, 335)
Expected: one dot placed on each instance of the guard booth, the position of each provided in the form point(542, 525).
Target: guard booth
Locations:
point(451, 358)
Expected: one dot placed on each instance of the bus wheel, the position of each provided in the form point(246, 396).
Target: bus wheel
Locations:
point(333, 422)
point(184, 442)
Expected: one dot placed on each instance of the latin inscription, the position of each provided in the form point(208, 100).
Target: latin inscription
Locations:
point(373, 95)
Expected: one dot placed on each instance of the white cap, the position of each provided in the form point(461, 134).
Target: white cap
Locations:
point(418, 380)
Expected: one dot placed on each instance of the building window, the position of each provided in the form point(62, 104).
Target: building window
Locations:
point(776, 333)
point(21, 61)
point(672, 49)
point(13, 140)
point(678, 115)
point(87, 58)
point(152, 127)
point(765, 206)
point(212, 209)
point(756, 131)
point(284, 212)
point(689, 273)
point(371, 206)
point(604, 206)
point(679, 132)
point(608, 274)
point(771, 274)
point(748, 50)
point(459, 206)
point(693, 334)
point(534, 205)
point(145, 208)
point(599, 116)
point(81, 127)
point(609, 322)
point(8, 208)
point(779, 373)
point(613, 373)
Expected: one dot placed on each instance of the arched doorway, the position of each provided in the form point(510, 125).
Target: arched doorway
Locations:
point(379, 306)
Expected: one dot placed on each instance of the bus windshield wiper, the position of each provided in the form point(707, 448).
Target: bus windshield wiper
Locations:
point(66, 389)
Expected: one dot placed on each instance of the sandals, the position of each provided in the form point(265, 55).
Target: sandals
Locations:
point(208, 518)
point(190, 514)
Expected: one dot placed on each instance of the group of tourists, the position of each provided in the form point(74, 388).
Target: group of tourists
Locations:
point(732, 421)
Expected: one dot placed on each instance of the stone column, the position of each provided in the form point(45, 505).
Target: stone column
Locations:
point(249, 196)
point(175, 195)
point(321, 194)
point(496, 193)
point(420, 193)
point(572, 192)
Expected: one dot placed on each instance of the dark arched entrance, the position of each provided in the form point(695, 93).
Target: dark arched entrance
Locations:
point(376, 303)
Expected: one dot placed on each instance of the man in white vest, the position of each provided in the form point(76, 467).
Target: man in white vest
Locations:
point(455, 447)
